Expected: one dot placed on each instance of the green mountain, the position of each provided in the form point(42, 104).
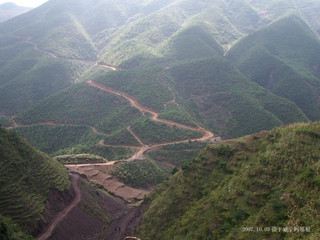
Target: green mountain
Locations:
point(27, 177)
point(246, 188)
point(153, 78)
point(283, 58)
point(171, 59)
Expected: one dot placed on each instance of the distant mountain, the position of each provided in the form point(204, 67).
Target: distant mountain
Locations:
point(246, 188)
point(9, 10)
point(190, 56)
point(129, 79)
point(284, 58)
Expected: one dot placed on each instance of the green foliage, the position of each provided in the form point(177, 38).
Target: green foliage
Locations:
point(153, 132)
point(174, 113)
point(224, 151)
point(79, 158)
point(141, 173)
point(51, 139)
point(30, 69)
point(145, 84)
point(5, 122)
point(110, 153)
point(193, 42)
point(270, 181)
point(227, 102)
point(177, 154)
point(26, 179)
point(10, 231)
point(282, 57)
point(122, 137)
point(80, 104)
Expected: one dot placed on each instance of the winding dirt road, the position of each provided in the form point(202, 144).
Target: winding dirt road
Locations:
point(75, 183)
point(53, 55)
point(207, 135)
point(154, 115)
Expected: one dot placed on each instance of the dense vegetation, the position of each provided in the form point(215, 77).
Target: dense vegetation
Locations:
point(283, 58)
point(228, 103)
point(179, 155)
point(79, 158)
point(164, 51)
point(122, 137)
point(151, 132)
point(5, 122)
point(11, 231)
point(51, 139)
point(141, 173)
point(176, 114)
point(107, 152)
point(242, 189)
point(26, 179)
point(79, 104)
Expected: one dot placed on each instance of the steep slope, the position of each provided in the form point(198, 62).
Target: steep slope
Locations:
point(283, 57)
point(221, 98)
point(193, 42)
point(37, 197)
point(263, 186)
point(9, 10)
point(27, 177)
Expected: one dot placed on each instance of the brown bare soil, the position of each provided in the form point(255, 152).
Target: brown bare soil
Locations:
point(78, 222)
point(64, 212)
point(101, 174)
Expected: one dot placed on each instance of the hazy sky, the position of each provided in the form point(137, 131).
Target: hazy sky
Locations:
point(27, 3)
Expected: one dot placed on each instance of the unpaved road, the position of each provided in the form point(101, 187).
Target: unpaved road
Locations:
point(207, 135)
point(135, 136)
point(75, 181)
point(38, 49)
point(154, 115)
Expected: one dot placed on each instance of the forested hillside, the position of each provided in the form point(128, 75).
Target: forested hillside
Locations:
point(261, 186)
point(139, 88)
point(27, 177)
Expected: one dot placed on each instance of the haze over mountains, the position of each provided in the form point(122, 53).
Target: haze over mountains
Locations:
point(9, 10)
point(156, 78)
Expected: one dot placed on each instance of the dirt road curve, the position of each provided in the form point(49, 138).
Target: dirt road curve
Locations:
point(75, 181)
point(38, 49)
point(154, 115)
point(207, 135)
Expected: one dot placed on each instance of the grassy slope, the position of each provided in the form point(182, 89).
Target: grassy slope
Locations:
point(26, 179)
point(246, 182)
point(11, 231)
point(51, 139)
point(191, 43)
point(283, 58)
point(142, 173)
point(28, 76)
point(151, 132)
point(80, 104)
point(218, 96)
point(177, 154)
point(145, 84)
point(61, 140)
